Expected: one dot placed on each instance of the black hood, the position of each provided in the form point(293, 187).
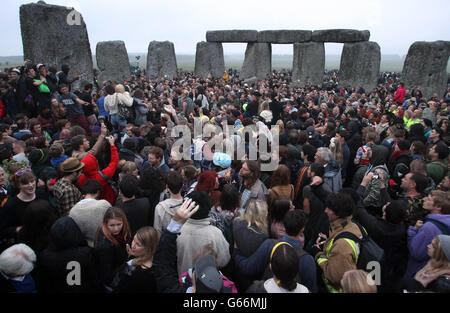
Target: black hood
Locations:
point(379, 155)
point(65, 234)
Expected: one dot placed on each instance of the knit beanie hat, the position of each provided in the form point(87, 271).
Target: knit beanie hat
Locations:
point(202, 199)
point(445, 245)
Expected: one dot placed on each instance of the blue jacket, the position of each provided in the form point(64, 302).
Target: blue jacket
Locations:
point(419, 239)
point(256, 264)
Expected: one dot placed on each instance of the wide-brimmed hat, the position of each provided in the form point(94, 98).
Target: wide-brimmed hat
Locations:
point(71, 165)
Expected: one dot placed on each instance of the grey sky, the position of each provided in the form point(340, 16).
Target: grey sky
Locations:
point(395, 25)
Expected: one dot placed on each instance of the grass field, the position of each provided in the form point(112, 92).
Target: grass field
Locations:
point(391, 63)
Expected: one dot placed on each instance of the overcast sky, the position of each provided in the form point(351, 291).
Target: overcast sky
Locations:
point(394, 25)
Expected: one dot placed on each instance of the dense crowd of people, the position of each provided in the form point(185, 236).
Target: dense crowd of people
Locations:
point(97, 195)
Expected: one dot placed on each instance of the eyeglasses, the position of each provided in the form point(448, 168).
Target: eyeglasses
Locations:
point(21, 172)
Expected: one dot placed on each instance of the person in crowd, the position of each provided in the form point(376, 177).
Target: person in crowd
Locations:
point(137, 275)
point(250, 186)
point(13, 211)
point(91, 171)
point(435, 275)
point(110, 245)
point(165, 210)
point(65, 191)
point(88, 213)
point(334, 258)
point(16, 264)
point(437, 167)
point(421, 234)
point(280, 186)
point(137, 210)
point(198, 227)
point(358, 281)
point(67, 244)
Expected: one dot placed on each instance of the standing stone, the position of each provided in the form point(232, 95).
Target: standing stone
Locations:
point(209, 59)
point(258, 60)
point(56, 35)
point(340, 35)
point(360, 65)
point(309, 63)
point(426, 67)
point(284, 36)
point(112, 61)
point(235, 35)
point(161, 60)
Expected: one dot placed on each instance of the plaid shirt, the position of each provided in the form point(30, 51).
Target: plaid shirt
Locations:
point(66, 195)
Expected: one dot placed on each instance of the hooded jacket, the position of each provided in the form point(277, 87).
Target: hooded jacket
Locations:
point(333, 176)
point(67, 244)
point(419, 239)
point(91, 171)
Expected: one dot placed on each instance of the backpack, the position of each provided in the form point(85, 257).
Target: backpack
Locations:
point(127, 113)
point(445, 230)
point(369, 250)
point(334, 180)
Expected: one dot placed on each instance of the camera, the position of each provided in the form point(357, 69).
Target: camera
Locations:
point(376, 176)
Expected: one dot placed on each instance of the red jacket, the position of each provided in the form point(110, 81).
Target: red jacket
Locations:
point(400, 95)
point(90, 171)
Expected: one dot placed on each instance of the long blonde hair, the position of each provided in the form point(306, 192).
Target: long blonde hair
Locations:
point(256, 213)
point(336, 150)
point(358, 281)
point(438, 261)
point(149, 239)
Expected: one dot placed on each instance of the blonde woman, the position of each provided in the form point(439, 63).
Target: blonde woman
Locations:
point(250, 228)
point(435, 276)
point(358, 281)
point(336, 150)
point(137, 275)
point(127, 168)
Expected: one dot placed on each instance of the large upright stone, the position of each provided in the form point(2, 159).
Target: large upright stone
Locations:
point(258, 60)
point(284, 36)
point(309, 63)
point(161, 60)
point(209, 59)
point(340, 35)
point(56, 35)
point(112, 61)
point(426, 67)
point(360, 65)
point(235, 35)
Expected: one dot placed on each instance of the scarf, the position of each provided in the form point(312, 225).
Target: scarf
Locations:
point(396, 154)
point(119, 238)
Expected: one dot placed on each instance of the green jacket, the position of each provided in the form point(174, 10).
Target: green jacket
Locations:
point(437, 170)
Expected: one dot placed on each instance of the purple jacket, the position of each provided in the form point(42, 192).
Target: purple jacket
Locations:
point(418, 240)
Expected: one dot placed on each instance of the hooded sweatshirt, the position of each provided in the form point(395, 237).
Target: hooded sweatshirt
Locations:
point(91, 171)
point(419, 239)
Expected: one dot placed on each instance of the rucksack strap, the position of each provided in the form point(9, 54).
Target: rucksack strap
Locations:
point(108, 180)
point(442, 227)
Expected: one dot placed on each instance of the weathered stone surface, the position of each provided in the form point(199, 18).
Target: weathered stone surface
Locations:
point(209, 59)
point(56, 35)
point(161, 60)
point(340, 35)
point(309, 63)
point(284, 36)
point(112, 61)
point(258, 60)
point(235, 35)
point(426, 67)
point(360, 65)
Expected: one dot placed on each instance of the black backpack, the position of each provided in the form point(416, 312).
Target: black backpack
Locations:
point(369, 250)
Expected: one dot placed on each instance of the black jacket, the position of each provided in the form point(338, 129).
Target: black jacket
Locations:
point(129, 278)
point(67, 244)
point(391, 238)
point(137, 212)
point(108, 258)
